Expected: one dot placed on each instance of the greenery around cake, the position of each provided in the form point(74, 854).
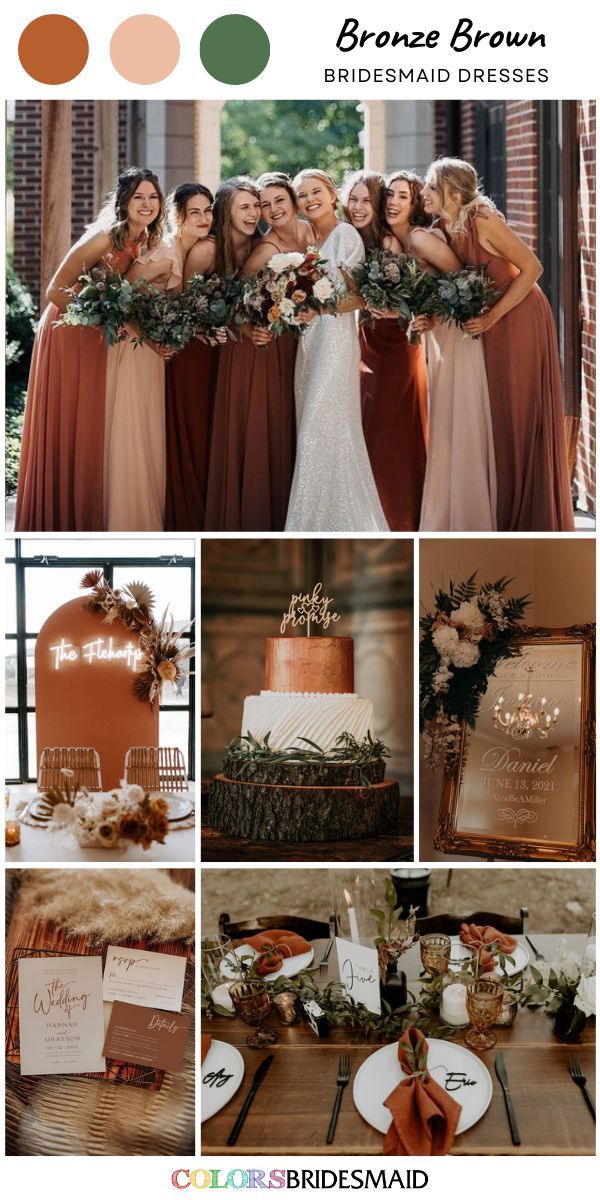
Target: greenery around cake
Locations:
point(347, 750)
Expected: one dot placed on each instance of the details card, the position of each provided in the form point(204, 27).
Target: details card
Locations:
point(144, 977)
point(359, 973)
point(146, 1036)
point(61, 1017)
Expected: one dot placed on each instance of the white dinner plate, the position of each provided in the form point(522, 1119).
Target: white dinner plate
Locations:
point(290, 967)
point(455, 1068)
point(520, 955)
point(178, 807)
point(222, 1074)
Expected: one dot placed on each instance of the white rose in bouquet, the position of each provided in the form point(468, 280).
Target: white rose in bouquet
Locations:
point(323, 289)
point(281, 262)
point(585, 996)
point(286, 308)
point(468, 613)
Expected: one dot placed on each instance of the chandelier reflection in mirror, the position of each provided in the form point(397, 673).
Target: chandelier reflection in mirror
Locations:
point(527, 718)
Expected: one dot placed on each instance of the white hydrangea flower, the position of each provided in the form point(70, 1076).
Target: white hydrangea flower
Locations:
point(469, 613)
point(445, 638)
point(465, 654)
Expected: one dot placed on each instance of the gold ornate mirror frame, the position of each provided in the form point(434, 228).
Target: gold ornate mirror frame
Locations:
point(519, 780)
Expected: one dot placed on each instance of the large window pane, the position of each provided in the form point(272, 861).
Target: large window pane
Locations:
point(32, 765)
point(10, 599)
point(30, 651)
point(171, 587)
point(11, 746)
point(10, 673)
point(101, 548)
point(46, 588)
point(173, 731)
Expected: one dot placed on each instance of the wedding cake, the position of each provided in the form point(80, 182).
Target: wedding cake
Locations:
point(308, 694)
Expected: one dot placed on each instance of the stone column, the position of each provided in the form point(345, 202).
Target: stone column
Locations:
point(207, 142)
point(106, 160)
point(374, 135)
point(56, 188)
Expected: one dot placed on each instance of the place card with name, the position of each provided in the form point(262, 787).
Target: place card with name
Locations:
point(359, 973)
point(144, 977)
point(146, 1036)
point(61, 1017)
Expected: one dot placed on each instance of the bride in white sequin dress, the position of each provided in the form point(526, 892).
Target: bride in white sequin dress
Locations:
point(333, 486)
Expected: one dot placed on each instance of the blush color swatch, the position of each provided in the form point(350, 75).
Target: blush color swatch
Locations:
point(144, 49)
point(53, 49)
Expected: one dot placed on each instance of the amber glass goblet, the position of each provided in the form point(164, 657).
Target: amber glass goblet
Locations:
point(252, 1003)
point(435, 953)
point(484, 1003)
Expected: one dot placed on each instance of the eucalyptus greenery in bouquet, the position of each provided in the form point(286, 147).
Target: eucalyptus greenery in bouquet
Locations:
point(161, 317)
point(101, 299)
point(464, 294)
point(469, 631)
point(212, 301)
point(280, 295)
point(394, 283)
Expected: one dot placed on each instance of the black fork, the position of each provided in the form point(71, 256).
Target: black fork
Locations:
point(579, 1078)
point(343, 1079)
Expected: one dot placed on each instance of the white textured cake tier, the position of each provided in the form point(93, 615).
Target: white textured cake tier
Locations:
point(321, 717)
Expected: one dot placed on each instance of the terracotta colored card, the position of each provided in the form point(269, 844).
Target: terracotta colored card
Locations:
point(146, 1036)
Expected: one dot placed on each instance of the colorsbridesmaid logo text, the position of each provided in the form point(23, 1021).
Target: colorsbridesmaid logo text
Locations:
point(239, 1178)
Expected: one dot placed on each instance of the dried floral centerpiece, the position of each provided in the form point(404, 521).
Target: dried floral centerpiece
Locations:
point(162, 655)
point(126, 814)
point(470, 630)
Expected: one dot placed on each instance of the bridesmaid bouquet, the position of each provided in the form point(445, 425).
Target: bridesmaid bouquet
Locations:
point(100, 298)
point(212, 301)
point(394, 283)
point(464, 294)
point(278, 297)
point(161, 317)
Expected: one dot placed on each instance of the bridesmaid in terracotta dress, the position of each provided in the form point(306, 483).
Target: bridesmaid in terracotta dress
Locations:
point(191, 374)
point(134, 434)
point(61, 472)
point(251, 441)
point(393, 372)
point(521, 353)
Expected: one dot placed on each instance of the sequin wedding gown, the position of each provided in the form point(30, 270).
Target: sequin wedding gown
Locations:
point(333, 486)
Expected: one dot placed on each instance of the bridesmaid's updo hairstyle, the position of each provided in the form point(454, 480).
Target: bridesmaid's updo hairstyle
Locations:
point(113, 214)
point(374, 234)
point(458, 176)
point(225, 262)
point(279, 179)
point(177, 201)
point(418, 216)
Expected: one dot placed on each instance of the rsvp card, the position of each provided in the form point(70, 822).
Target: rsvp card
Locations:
point(146, 1036)
point(359, 973)
point(144, 977)
point(61, 1017)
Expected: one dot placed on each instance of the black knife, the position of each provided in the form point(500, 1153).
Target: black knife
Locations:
point(259, 1075)
point(500, 1066)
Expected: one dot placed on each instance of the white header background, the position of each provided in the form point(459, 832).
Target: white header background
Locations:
point(303, 42)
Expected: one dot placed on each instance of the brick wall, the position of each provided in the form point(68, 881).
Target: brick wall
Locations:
point(522, 169)
point(467, 130)
point(586, 458)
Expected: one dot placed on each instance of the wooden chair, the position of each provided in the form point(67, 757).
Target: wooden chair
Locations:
point(305, 926)
point(83, 761)
point(156, 768)
point(450, 923)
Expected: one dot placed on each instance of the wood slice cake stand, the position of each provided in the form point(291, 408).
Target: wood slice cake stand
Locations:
point(290, 802)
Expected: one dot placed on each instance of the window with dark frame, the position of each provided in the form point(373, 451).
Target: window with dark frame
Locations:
point(21, 581)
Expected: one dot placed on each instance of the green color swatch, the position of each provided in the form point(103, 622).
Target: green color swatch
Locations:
point(234, 49)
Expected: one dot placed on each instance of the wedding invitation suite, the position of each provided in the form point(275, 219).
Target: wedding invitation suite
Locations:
point(144, 977)
point(146, 1036)
point(61, 1018)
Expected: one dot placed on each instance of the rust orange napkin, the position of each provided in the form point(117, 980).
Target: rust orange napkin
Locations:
point(205, 1040)
point(478, 936)
point(282, 941)
point(424, 1116)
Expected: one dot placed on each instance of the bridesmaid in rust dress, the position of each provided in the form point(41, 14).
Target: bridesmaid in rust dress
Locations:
point(191, 374)
point(61, 471)
point(393, 371)
point(521, 353)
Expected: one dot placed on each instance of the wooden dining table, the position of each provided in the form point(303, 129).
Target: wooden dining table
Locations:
point(292, 1108)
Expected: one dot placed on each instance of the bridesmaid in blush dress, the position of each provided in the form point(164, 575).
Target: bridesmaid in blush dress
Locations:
point(191, 374)
point(60, 484)
point(521, 353)
point(393, 372)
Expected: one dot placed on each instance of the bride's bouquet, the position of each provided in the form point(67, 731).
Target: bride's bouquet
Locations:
point(212, 301)
point(101, 298)
point(464, 294)
point(161, 317)
point(279, 296)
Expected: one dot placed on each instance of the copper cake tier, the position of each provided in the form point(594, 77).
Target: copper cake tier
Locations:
point(309, 664)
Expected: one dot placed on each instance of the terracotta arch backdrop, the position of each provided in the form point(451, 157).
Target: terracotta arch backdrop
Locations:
point(84, 693)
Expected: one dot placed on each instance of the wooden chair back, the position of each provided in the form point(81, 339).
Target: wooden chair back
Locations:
point(156, 768)
point(83, 761)
point(450, 923)
point(305, 926)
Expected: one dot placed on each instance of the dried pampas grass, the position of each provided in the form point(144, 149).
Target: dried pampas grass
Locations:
point(111, 906)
